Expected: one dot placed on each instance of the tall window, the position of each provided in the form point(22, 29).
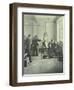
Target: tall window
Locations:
point(60, 28)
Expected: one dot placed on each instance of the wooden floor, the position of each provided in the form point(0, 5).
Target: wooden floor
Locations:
point(42, 66)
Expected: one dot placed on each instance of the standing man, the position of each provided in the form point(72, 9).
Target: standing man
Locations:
point(28, 47)
point(35, 45)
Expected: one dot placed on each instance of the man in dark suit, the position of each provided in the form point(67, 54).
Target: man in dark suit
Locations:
point(35, 45)
point(28, 47)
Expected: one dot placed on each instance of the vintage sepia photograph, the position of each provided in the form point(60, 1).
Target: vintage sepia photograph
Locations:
point(40, 44)
point(42, 47)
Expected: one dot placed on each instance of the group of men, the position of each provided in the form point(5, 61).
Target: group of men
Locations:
point(55, 49)
point(31, 47)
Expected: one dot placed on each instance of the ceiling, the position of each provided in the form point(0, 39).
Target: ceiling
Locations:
point(40, 18)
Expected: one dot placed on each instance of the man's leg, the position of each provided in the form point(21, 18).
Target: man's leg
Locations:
point(36, 52)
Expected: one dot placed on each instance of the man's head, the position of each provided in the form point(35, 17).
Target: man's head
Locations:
point(29, 35)
point(52, 41)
